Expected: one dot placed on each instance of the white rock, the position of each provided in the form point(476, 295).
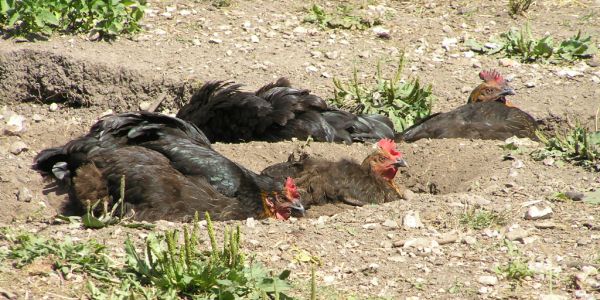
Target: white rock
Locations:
point(299, 30)
point(412, 220)
point(370, 226)
point(215, 41)
point(196, 42)
point(536, 213)
point(517, 164)
point(185, 12)
point(144, 105)
point(24, 195)
point(332, 54)
point(447, 43)
point(488, 280)
point(569, 73)
point(311, 69)
point(491, 45)
point(381, 32)
point(530, 84)
point(37, 117)
point(159, 31)
point(420, 243)
point(329, 279)
point(15, 124)
point(507, 62)
point(325, 75)
point(254, 39)
point(18, 147)
point(390, 223)
point(469, 54)
point(250, 223)
point(469, 240)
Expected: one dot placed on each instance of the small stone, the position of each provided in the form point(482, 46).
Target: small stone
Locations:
point(475, 63)
point(545, 225)
point(469, 54)
point(575, 196)
point(397, 258)
point(159, 31)
point(490, 280)
point(53, 107)
point(250, 223)
point(316, 54)
point(448, 238)
point(484, 290)
point(15, 124)
point(311, 69)
point(144, 105)
point(196, 42)
point(332, 54)
point(490, 45)
point(24, 195)
point(381, 32)
point(469, 240)
point(364, 54)
point(370, 226)
point(390, 224)
point(185, 13)
point(517, 164)
point(517, 234)
point(325, 75)
point(254, 39)
point(569, 73)
point(447, 43)
point(548, 161)
point(387, 244)
point(536, 213)
point(37, 117)
point(530, 84)
point(18, 147)
point(328, 279)
point(507, 62)
point(300, 30)
point(447, 29)
point(215, 41)
point(412, 220)
point(106, 113)
point(418, 243)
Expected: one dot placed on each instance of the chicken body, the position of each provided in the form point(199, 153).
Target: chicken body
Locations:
point(276, 112)
point(320, 181)
point(487, 115)
point(170, 170)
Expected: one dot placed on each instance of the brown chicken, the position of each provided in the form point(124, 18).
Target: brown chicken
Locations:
point(170, 172)
point(320, 181)
point(487, 115)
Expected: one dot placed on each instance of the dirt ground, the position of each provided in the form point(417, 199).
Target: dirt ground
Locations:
point(364, 252)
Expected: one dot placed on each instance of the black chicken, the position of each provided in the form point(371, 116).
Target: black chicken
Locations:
point(487, 115)
point(170, 171)
point(320, 181)
point(276, 112)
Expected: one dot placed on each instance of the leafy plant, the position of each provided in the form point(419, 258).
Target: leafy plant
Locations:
point(479, 219)
point(518, 7)
point(343, 18)
point(403, 102)
point(521, 43)
point(108, 18)
point(516, 269)
point(578, 146)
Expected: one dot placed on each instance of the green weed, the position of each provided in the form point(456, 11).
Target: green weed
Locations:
point(523, 45)
point(107, 18)
point(403, 102)
point(479, 219)
point(578, 146)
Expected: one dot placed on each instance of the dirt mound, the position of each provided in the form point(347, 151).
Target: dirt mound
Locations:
point(45, 77)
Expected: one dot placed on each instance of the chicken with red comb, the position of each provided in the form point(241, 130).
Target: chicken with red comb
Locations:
point(320, 181)
point(487, 115)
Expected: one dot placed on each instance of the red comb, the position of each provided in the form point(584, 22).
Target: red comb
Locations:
point(491, 75)
point(290, 186)
point(389, 146)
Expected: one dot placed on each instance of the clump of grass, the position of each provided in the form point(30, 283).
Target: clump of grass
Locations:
point(518, 7)
point(522, 44)
point(107, 18)
point(342, 18)
point(169, 266)
point(578, 146)
point(403, 102)
point(479, 219)
point(516, 269)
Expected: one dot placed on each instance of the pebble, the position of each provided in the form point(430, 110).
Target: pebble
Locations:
point(390, 224)
point(18, 147)
point(250, 223)
point(370, 226)
point(24, 195)
point(325, 75)
point(418, 243)
point(517, 234)
point(469, 240)
point(215, 41)
point(408, 195)
point(545, 225)
point(144, 105)
point(311, 69)
point(254, 39)
point(53, 107)
point(381, 32)
point(507, 62)
point(575, 196)
point(569, 73)
point(37, 117)
point(530, 84)
point(469, 54)
point(412, 220)
point(332, 54)
point(488, 280)
point(15, 124)
point(536, 213)
point(300, 30)
point(196, 42)
point(447, 43)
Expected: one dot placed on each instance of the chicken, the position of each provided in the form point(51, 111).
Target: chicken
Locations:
point(276, 112)
point(170, 172)
point(487, 115)
point(320, 181)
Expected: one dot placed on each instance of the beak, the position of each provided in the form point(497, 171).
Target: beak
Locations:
point(400, 163)
point(297, 208)
point(507, 91)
